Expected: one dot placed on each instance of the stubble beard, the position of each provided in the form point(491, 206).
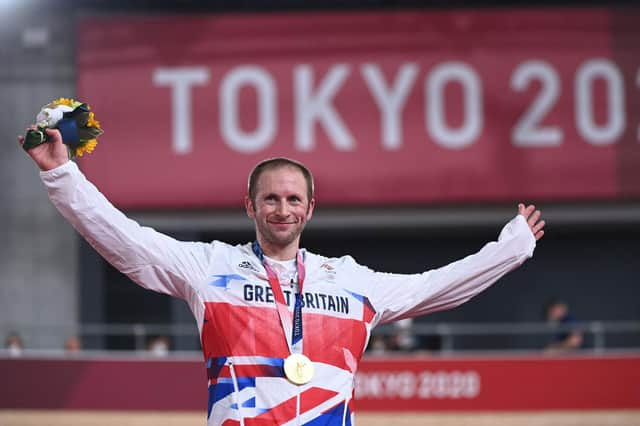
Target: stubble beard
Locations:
point(281, 240)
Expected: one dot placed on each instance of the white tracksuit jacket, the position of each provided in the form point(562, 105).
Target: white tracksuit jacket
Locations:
point(242, 339)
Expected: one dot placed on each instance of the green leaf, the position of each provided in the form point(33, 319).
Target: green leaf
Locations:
point(34, 138)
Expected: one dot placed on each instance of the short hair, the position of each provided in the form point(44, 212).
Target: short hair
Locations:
point(277, 163)
point(551, 303)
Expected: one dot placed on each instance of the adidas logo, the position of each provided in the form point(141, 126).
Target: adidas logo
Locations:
point(247, 265)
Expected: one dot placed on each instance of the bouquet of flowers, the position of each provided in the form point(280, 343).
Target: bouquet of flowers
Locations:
point(76, 123)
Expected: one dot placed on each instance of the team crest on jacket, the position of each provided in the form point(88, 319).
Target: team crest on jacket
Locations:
point(330, 270)
point(327, 267)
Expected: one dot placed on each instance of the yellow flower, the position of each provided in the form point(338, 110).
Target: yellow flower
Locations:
point(92, 122)
point(65, 101)
point(89, 128)
point(87, 147)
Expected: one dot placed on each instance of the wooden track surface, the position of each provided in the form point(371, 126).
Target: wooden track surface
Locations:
point(546, 418)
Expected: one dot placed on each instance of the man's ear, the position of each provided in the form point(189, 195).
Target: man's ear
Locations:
point(248, 205)
point(312, 204)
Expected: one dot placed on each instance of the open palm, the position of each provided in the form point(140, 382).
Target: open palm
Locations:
point(533, 219)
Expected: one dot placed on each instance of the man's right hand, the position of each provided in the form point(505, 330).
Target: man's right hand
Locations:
point(51, 154)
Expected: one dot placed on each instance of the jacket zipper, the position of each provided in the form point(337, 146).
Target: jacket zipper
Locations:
point(236, 391)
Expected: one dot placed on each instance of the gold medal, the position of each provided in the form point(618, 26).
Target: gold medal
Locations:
point(299, 369)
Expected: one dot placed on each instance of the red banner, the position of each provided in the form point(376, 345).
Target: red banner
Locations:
point(407, 107)
point(499, 384)
point(409, 384)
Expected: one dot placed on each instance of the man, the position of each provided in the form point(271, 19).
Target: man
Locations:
point(569, 335)
point(282, 329)
point(14, 345)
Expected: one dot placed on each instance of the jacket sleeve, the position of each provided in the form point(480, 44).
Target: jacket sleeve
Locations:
point(397, 296)
point(153, 260)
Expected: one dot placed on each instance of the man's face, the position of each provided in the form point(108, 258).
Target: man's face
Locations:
point(556, 312)
point(281, 208)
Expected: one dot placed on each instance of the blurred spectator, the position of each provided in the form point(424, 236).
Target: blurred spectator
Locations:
point(403, 339)
point(72, 345)
point(569, 336)
point(14, 345)
point(159, 346)
point(400, 339)
point(377, 344)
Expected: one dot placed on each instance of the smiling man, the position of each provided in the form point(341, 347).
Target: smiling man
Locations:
point(282, 329)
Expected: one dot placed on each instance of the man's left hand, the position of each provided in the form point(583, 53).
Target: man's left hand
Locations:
point(532, 216)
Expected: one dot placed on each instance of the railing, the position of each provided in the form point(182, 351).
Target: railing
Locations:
point(595, 332)
point(451, 337)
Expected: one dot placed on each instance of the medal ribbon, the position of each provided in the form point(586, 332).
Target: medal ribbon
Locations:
point(292, 327)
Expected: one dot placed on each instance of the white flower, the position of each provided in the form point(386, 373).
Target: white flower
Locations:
point(49, 117)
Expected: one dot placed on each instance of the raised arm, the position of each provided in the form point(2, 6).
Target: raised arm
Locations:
point(396, 296)
point(153, 260)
